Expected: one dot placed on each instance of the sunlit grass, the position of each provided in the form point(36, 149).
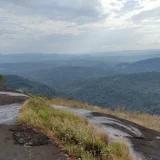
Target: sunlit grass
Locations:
point(74, 134)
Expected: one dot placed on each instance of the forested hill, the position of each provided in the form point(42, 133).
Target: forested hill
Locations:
point(140, 92)
point(16, 82)
point(147, 65)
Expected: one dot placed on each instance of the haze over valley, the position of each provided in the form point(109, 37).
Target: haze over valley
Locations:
point(128, 82)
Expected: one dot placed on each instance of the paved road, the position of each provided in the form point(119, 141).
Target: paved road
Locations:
point(10, 104)
point(10, 151)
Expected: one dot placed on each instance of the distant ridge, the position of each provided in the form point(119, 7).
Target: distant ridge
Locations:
point(19, 83)
point(118, 56)
point(147, 65)
point(139, 91)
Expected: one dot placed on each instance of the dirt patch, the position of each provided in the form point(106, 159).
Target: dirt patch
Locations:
point(10, 151)
point(5, 99)
point(9, 90)
point(23, 135)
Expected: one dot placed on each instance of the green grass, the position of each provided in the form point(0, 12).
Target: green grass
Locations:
point(74, 134)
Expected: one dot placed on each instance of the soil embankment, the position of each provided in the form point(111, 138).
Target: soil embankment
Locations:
point(8, 99)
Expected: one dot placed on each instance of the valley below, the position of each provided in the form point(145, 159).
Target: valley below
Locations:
point(130, 85)
point(80, 107)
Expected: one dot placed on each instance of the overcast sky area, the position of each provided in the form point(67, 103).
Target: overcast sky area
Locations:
point(78, 26)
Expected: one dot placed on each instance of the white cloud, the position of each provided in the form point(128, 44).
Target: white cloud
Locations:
point(112, 5)
point(80, 26)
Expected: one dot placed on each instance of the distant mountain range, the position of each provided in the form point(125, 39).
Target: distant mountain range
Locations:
point(135, 85)
point(61, 77)
point(147, 65)
point(139, 92)
point(116, 56)
point(60, 74)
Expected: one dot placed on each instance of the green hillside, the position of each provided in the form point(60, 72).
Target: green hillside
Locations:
point(147, 65)
point(16, 82)
point(139, 92)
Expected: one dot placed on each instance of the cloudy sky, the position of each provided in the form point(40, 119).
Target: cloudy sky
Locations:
point(78, 26)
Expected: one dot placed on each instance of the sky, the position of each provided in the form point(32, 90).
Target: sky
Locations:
point(78, 26)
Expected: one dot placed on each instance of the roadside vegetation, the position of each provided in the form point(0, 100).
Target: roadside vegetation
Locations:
point(74, 134)
point(146, 120)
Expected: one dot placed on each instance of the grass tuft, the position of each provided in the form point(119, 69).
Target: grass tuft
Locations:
point(76, 135)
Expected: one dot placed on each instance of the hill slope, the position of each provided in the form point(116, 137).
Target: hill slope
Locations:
point(57, 74)
point(139, 92)
point(63, 76)
point(16, 82)
point(147, 65)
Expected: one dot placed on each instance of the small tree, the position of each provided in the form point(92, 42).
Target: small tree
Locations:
point(2, 82)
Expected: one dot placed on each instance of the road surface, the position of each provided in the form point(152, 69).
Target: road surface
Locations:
point(19, 142)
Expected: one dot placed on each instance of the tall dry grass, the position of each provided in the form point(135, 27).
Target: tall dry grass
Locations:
point(146, 120)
